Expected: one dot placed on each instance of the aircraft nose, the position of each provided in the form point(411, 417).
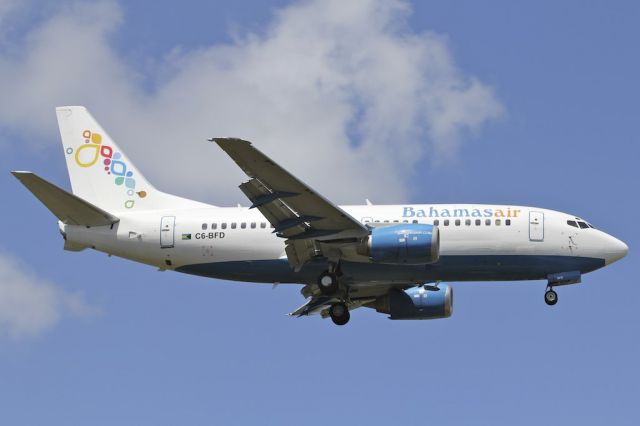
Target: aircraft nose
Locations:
point(614, 250)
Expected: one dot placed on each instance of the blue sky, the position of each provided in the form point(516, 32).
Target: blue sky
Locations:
point(539, 106)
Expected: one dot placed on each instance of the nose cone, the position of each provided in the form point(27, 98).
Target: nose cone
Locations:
point(614, 250)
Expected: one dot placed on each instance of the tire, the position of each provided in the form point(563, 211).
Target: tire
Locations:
point(339, 314)
point(328, 283)
point(550, 297)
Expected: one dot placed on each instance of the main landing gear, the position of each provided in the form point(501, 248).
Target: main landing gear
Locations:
point(550, 296)
point(339, 313)
point(329, 286)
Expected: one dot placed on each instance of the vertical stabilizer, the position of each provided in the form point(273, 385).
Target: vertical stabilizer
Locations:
point(100, 172)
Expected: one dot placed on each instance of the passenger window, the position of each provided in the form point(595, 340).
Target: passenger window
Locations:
point(214, 226)
point(253, 225)
point(243, 225)
point(204, 226)
point(233, 225)
point(457, 222)
point(497, 222)
point(572, 223)
point(487, 222)
point(414, 221)
point(263, 225)
point(405, 221)
point(396, 221)
point(436, 222)
point(386, 221)
point(582, 225)
point(467, 222)
point(507, 222)
point(376, 221)
point(478, 222)
point(446, 222)
point(224, 225)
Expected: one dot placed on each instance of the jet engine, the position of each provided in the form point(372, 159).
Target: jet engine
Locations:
point(416, 303)
point(409, 244)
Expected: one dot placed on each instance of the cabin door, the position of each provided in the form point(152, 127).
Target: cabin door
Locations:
point(536, 226)
point(167, 231)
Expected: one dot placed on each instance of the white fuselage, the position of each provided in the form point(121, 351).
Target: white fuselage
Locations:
point(495, 241)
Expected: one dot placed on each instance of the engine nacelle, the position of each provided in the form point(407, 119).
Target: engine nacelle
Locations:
point(409, 244)
point(416, 303)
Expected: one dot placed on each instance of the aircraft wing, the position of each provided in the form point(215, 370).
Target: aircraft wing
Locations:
point(321, 304)
point(297, 212)
point(360, 296)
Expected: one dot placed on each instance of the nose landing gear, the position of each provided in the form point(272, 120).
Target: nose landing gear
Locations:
point(550, 296)
point(559, 278)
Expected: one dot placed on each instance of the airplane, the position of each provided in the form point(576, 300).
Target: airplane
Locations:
point(390, 258)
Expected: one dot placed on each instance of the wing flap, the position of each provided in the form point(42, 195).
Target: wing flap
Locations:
point(268, 202)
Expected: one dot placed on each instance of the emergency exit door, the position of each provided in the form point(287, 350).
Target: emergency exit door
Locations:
point(536, 226)
point(167, 231)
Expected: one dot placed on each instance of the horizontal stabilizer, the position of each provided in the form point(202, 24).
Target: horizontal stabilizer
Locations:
point(67, 207)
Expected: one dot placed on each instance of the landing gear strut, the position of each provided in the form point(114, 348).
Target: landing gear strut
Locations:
point(339, 314)
point(550, 296)
point(329, 286)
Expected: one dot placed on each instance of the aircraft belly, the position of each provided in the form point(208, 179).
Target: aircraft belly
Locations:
point(448, 268)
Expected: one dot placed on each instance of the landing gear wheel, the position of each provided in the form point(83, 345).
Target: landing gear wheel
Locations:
point(339, 314)
point(550, 297)
point(328, 283)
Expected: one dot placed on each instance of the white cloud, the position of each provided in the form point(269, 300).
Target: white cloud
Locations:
point(344, 94)
point(29, 304)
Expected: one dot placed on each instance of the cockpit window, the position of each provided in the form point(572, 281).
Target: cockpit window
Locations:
point(579, 223)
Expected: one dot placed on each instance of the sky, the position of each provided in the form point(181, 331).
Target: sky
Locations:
point(399, 102)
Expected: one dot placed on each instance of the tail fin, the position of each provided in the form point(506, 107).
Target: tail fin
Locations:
point(100, 172)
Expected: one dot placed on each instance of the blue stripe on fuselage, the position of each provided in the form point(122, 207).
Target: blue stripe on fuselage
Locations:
point(448, 268)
